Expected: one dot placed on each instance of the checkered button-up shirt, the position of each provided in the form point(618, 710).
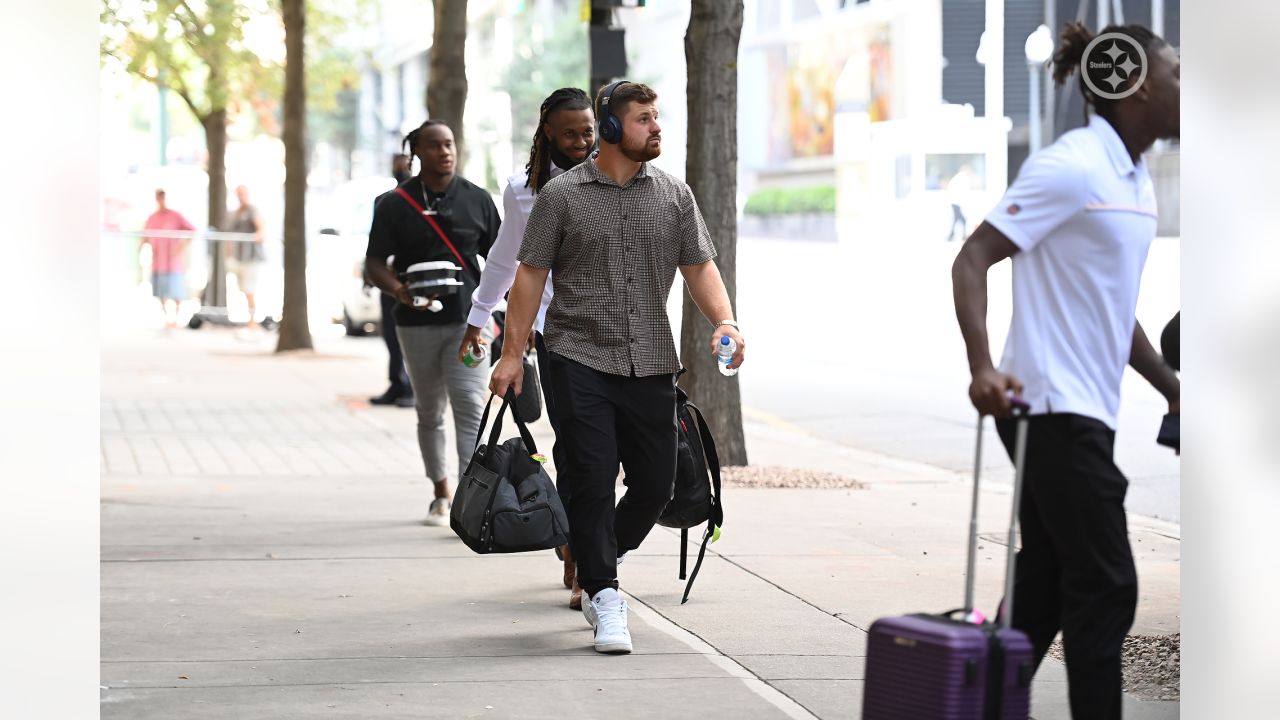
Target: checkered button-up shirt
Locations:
point(613, 252)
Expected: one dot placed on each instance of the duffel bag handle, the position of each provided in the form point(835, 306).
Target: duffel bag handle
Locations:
point(495, 434)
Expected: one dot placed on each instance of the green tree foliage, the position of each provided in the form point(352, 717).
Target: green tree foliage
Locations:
point(547, 56)
point(197, 50)
point(334, 55)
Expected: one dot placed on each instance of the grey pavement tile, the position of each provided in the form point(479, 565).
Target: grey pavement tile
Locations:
point(583, 663)
point(232, 452)
point(207, 457)
point(532, 700)
point(119, 456)
point(148, 455)
point(828, 699)
point(291, 577)
point(737, 613)
point(805, 667)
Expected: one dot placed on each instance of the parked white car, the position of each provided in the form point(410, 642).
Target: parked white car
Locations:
point(344, 214)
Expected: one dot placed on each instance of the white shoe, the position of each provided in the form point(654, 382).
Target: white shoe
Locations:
point(610, 611)
point(439, 513)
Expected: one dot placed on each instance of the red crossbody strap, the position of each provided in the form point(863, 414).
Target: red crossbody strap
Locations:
point(434, 226)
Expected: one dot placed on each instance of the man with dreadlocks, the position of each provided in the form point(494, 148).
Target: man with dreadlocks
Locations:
point(1078, 222)
point(564, 137)
point(436, 215)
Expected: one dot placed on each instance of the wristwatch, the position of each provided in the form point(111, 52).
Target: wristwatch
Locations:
point(728, 322)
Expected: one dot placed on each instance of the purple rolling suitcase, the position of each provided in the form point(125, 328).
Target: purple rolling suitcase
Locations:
point(942, 667)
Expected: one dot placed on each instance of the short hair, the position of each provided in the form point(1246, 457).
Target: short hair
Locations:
point(622, 97)
point(410, 142)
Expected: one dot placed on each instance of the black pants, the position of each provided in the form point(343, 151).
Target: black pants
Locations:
point(396, 371)
point(606, 419)
point(1075, 571)
point(548, 398)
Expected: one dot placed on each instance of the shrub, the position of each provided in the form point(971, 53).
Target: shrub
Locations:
point(792, 200)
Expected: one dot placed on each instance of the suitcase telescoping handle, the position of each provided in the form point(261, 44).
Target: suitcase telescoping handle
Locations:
point(1020, 411)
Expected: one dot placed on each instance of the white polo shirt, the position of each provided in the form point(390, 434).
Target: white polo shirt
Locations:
point(500, 267)
point(1083, 216)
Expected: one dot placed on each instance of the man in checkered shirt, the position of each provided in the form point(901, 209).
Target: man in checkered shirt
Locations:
point(614, 230)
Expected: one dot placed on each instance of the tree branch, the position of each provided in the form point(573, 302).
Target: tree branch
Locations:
point(193, 29)
point(179, 88)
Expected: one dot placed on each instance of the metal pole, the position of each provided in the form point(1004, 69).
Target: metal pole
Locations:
point(601, 16)
point(1049, 128)
point(1019, 466)
point(162, 121)
point(1033, 71)
point(971, 560)
point(1104, 14)
point(994, 87)
point(1157, 17)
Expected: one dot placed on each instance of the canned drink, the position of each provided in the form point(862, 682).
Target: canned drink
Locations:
point(475, 355)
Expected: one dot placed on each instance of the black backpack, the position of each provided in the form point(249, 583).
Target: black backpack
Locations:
point(695, 499)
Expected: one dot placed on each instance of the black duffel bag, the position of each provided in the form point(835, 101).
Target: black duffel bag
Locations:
point(506, 502)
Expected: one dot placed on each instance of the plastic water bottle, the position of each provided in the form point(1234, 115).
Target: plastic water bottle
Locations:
point(724, 355)
point(475, 355)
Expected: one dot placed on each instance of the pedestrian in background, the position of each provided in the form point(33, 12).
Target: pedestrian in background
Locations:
point(168, 258)
point(399, 392)
point(1078, 222)
point(958, 189)
point(469, 222)
point(565, 137)
point(245, 257)
point(612, 232)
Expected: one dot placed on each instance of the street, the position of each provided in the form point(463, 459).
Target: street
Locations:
point(857, 344)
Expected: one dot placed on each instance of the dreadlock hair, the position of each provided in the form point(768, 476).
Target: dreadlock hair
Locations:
point(410, 142)
point(1075, 38)
point(538, 170)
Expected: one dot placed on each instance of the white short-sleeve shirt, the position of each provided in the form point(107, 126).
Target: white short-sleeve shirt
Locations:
point(1083, 216)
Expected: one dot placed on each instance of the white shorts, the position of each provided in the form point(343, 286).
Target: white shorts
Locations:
point(246, 273)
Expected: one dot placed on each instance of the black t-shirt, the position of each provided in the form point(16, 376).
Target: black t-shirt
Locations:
point(466, 214)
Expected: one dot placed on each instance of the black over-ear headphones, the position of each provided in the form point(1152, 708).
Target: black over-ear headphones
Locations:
point(610, 126)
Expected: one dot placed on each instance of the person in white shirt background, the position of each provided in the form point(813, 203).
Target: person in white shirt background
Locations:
point(565, 137)
point(1078, 222)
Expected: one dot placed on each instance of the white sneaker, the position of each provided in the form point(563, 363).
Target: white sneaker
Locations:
point(439, 512)
point(610, 611)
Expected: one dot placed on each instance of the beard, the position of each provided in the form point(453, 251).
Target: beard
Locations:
point(562, 161)
point(640, 151)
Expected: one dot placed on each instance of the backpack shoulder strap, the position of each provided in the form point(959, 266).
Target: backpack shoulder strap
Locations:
point(717, 510)
point(713, 461)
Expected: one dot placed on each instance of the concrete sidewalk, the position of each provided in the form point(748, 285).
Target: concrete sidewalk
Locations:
point(263, 557)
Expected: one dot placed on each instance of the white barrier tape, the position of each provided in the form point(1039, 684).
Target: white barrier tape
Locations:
point(181, 234)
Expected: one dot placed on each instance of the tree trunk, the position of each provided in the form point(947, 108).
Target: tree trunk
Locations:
point(295, 333)
point(711, 53)
point(447, 81)
point(215, 134)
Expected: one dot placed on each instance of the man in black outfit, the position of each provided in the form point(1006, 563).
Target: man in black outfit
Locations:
point(400, 391)
point(437, 216)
